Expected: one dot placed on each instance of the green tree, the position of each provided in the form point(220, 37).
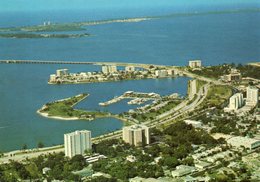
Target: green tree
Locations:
point(33, 170)
point(24, 147)
point(78, 162)
point(40, 145)
point(169, 161)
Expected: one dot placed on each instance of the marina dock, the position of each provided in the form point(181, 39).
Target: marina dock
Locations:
point(138, 98)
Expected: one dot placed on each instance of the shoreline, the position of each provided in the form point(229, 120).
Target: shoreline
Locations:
point(76, 118)
point(109, 81)
point(46, 115)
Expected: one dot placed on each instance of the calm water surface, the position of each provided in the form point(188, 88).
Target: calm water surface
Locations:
point(173, 41)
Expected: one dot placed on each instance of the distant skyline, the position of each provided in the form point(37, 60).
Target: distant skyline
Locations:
point(40, 5)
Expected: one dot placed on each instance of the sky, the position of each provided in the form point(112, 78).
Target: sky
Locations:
point(39, 5)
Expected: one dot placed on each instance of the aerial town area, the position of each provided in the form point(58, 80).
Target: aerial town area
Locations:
point(211, 134)
point(108, 73)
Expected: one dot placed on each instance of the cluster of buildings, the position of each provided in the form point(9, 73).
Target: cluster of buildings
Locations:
point(248, 143)
point(60, 74)
point(164, 73)
point(234, 75)
point(205, 159)
point(106, 69)
point(238, 103)
point(110, 73)
point(79, 142)
point(46, 23)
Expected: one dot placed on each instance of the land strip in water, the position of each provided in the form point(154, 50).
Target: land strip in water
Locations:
point(20, 32)
point(63, 110)
point(32, 35)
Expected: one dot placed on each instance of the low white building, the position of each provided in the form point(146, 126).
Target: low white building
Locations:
point(52, 78)
point(202, 165)
point(130, 68)
point(182, 170)
point(94, 158)
point(239, 141)
point(171, 72)
point(45, 170)
point(234, 75)
point(161, 73)
point(195, 124)
point(131, 158)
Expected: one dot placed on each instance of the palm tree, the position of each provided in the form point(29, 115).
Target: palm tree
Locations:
point(24, 147)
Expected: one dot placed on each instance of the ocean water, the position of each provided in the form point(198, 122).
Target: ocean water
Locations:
point(24, 90)
point(215, 39)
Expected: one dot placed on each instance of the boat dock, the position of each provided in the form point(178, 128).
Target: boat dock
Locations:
point(112, 101)
point(138, 98)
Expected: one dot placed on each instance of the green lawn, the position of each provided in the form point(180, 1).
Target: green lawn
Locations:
point(217, 95)
point(65, 109)
point(152, 114)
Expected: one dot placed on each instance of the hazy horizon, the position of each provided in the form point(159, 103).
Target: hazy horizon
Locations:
point(52, 5)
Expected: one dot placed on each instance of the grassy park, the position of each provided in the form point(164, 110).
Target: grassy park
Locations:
point(63, 109)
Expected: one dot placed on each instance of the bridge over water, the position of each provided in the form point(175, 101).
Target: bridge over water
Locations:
point(146, 66)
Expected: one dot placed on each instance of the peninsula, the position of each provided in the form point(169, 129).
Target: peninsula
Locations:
point(81, 26)
point(63, 110)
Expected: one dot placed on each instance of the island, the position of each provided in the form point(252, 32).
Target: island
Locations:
point(80, 26)
point(20, 35)
point(74, 26)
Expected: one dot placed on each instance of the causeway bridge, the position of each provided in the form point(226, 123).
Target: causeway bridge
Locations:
point(145, 66)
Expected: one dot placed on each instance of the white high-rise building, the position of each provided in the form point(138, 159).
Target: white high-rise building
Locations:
point(105, 69)
point(109, 69)
point(252, 96)
point(112, 69)
point(236, 101)
point(192, 88)
point(62, 72)
point(136, 135)
point(77, 142)
point(195, 63)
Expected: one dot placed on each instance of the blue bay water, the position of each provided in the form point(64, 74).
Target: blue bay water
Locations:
point(172, 41)
point(24, 90)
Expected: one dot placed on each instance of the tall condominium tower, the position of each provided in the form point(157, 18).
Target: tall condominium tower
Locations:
point(77, 142)
point(136, 135)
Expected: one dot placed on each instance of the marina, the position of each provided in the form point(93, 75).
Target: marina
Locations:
point(138, 98)
point(146, 42)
